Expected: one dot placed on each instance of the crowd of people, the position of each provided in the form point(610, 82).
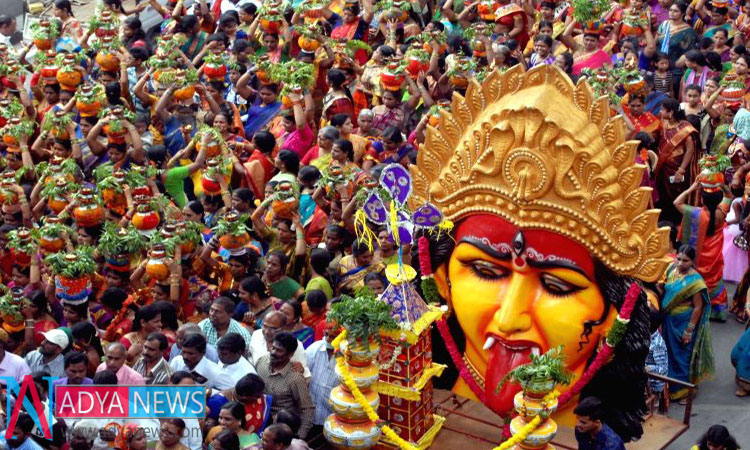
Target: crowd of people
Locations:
point(144, 173)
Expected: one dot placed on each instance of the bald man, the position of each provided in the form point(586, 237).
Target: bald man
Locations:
point(262, 340)
point(114, 361)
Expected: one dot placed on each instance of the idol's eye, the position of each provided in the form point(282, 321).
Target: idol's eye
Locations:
point(557, 286)
point(487, 270)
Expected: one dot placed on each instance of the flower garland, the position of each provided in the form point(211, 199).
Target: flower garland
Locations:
point(521, 435)
point(396, 353)
point(351, 385)
point(445, 333)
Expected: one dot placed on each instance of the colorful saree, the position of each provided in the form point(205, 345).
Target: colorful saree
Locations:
point(592, 60)
point(709, 261)
point(692, 362)
point(671, 151)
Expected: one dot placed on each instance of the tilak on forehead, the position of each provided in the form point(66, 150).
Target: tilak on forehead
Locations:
point(524, 247)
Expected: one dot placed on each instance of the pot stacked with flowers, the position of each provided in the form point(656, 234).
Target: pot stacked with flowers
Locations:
point(46, 66)
point(285, 201)
point(21, 241)
point(51, 235)
point(89, 99)
point(146, 218)
point(58, 124)
point(215, 66)
point(45, 34)
point(165, 59)
point(346, 50)
point(434, 38)
point(105, 23)
point(73, 273)
point(363, 318)
point(417, 60)
point(105, 48)
point(394, 10)
point(461, 72)
point(119, 246)
point(312, 10)
point(12, 303)
point(115, 127)
point(233, 232)
point(393, 76)
point(69, 71)
point(10, 108)
point(58, 194)
point(271, 15)
point(183, 81)
point(536, 402)
point(88, 211)
point(309, 36)
point(216, 168)
point(294, 77)
point(14, 131)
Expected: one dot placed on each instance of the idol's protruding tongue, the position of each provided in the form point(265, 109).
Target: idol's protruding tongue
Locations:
point(503, 359)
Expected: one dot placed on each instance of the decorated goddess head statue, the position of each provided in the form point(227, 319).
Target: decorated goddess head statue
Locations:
point(551, 230)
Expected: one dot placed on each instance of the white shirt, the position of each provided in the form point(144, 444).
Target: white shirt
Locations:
point(237, 370)
point(13, 365)
point(207, 369)
point(259, 348)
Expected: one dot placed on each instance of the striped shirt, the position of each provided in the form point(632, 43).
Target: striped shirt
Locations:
point(323, 379)
point(289, 391)
point(212, 336)
point(159, 374)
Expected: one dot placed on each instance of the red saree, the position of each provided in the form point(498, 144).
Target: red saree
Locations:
point(258, 171)
point(671, 152)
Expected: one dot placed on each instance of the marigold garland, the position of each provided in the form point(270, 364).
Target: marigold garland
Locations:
point(521, 435)
point(362, 401)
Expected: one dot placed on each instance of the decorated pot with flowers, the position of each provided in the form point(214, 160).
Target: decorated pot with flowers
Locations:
point(138, 177)
point(57, 124)
point(104, 24)
point(435, 37)
point(487, 9)
point(271, 18)
point(88, 212)
point(11, 309)
point(51, 235)
point(418, 60)
point(119, 245)
point(308, 36)
point(115, 128)
point(210, 179)
point(7, 187)
point(460, 74)
point(393, 76)
point(363, 318)
point(72, 274)
point(56, 195)
point(44, 34)
point(156, 266)
point(89, 100)
point(215, 67)
point(145, 219)
point(68, 74)
point(215, 141)
point(712, 167)
point(105, 58)
point(15, 130)
point(187, 235)
point(49, 67)
point(285, 203)
point(232, 231)
point(21, 242)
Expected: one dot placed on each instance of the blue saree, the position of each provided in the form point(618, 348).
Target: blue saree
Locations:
point(692, 362)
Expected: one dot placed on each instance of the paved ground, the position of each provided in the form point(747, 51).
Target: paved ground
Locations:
point(716, 402)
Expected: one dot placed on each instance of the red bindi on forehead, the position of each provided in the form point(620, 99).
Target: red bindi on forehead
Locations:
point(540, 246)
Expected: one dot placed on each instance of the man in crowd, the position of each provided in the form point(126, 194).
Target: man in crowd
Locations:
point(115, 362)
point(591, 432)
point(151, 365)
point(11, 365)
point(231, 362)
point(75, 370)
point(182, 331)
point(287, 386)
point(193, 360)
point(48, 357)
point(220, 322)
point(262, 340)
point(324, 378)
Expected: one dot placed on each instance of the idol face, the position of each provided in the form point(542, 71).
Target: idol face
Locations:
point(518, 292)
